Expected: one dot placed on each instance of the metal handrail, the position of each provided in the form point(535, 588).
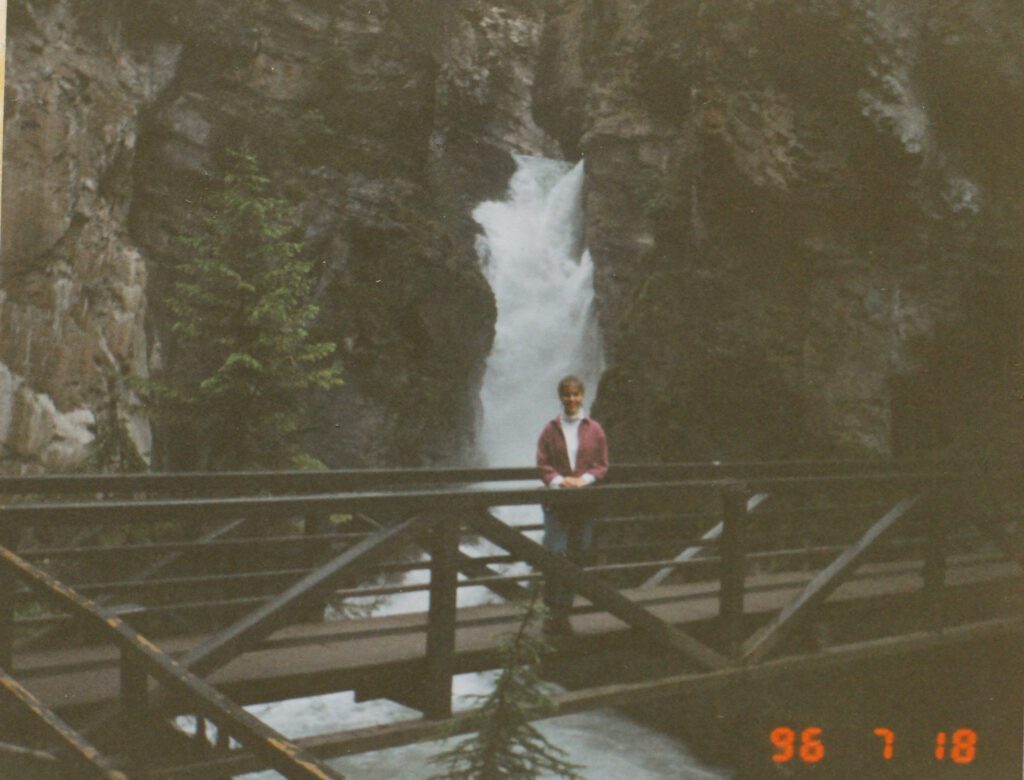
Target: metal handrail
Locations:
point(425, 500)
point(305, 482)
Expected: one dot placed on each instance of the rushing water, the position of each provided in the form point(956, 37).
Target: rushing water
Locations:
point(532, 253)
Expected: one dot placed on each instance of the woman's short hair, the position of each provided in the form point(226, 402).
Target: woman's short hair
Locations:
point(570, 381)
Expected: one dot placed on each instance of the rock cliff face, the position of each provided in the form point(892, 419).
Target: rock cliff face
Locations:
point(382, 123)
point(72, 303)
point(805, 217)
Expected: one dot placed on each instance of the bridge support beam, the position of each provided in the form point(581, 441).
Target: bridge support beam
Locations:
point(134, 696)
point(598, 592)
point(734, 569)
point(693, 551)
point(279, 611)
point(444, 554)
point(835, 574)
point(84, 759)
point(934, 572)
point(272, 747)
point(8, 592)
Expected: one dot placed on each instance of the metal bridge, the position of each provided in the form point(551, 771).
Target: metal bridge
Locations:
point(128, 601)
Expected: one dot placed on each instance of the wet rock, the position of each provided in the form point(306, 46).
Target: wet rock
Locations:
point(804, 217)
point(73, 306)
point(788, 219)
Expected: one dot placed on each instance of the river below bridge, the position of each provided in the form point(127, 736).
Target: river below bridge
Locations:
point(604, 743)
point(917, 698)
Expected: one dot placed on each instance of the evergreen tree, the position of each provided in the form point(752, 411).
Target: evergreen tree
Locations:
point(112, 450)
point(242, 312)
point(506, 745)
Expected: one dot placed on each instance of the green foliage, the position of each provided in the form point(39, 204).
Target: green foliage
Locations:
point(242, 315)
point(507, 745)
point(112, 450)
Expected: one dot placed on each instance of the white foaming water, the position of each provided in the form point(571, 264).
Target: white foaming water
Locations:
point(531, 252)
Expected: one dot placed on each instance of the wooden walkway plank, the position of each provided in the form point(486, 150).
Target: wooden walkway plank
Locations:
point(826, 581)
point(272, 747)
point(598, 592)
point(242, 635)
point(85, 757)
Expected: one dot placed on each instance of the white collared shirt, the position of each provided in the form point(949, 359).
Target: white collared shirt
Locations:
point(571, 431)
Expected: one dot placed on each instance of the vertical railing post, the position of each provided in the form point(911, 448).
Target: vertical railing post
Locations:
point(933, 572)
point(8, 599)
point(201, 737)
point(223, 744)
point(734, 568)
point(134, 695)
point(315, 525)
point(440, 662)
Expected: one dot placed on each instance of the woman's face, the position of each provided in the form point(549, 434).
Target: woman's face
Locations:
point(572, 399)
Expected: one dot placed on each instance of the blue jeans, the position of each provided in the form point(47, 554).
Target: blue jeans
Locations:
point(567, 534)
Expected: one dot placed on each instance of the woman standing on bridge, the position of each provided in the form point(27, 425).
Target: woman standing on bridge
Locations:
point(572, 453)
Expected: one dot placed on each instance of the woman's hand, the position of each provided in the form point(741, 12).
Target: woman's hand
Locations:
point(574, 482)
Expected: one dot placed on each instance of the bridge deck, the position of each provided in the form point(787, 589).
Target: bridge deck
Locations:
point(362, 653)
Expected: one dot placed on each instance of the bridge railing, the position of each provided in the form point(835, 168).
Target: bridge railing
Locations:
point(854, 515)
point(311, 529)
point(314, 530)
point(109, 559)
point(193, 484)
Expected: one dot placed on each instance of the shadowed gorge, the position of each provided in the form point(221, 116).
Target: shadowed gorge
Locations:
point(804, 219)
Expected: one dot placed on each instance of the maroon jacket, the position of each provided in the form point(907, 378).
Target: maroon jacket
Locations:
point(553, 457)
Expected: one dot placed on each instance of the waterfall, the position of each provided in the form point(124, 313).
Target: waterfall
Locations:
point(531, 251)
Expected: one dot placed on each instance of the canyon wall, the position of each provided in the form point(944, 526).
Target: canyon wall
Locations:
point(805, 218)
point(72, 280)
point(382, 124)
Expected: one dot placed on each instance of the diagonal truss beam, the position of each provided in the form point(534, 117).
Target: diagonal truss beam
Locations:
point(279, 611)
point(246, 632)
point(598, 592)
point(139, 577)
point(764, 640)
point(692, 552)
point(471, 567)
point(87, 759)
point(172, 558)
point(271, 746)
